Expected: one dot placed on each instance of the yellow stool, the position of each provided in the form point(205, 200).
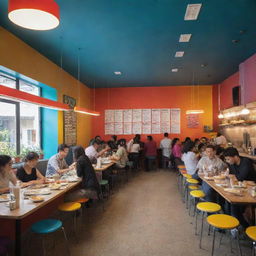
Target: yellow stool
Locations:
point(225, 222)
point(71, 207)
point(205, 207)
point(193, 187)
point(196, 195)
point(251, 233)
point(189, 181)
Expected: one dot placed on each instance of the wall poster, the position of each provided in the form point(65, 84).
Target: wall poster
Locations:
point(175, 120)
point(70, 122)
point(192, 120)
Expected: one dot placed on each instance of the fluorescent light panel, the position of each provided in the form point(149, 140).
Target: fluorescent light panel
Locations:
point(179, 54)
point(192, 11)
point(184, 38)
point(118, 73)
point(174, 70)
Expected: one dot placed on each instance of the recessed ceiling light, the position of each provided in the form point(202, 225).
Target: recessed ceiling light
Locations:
point(192, 11)
point(179, 54)
point(118, 73)
point(184, 38)
point(174, 70)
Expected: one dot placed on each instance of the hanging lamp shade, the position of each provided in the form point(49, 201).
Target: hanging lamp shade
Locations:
point(34, 14)
point(86, 111)
point(220, 116)
point(19, 96)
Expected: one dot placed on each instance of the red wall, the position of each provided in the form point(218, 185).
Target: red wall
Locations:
point(155, 97)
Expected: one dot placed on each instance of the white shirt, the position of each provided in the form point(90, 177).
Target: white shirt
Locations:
point(135, 148)
point(165, 145)
point(91, 153)
point(221, 140)
point(208, 164)
point(190, 160)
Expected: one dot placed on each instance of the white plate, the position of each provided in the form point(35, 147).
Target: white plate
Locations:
point(4, 198)
point(106, 162)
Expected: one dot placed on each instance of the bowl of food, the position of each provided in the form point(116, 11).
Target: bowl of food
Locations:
point(36, 199)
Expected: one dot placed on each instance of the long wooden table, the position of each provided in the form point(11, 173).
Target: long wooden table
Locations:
point(104, 166)
point(28, 208)
point(245, 198)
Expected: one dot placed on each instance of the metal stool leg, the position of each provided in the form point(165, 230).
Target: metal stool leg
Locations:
point(65, 236)
point(213, 241)
point(201, 231)
point(238, 245)
point(196, 222)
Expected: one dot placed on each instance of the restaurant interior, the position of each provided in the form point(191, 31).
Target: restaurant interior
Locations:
point(127, 127)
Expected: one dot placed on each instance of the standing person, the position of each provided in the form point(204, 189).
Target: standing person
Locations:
point(6, 174)
point(166, 145)
point(134, 152)
point(90, 187)
point(92, 153)
point(57, 163)
point(221, 140)
point(28, 173)
point(240, 168)
point(177, 151)
point(189, 157)
point(150, 153)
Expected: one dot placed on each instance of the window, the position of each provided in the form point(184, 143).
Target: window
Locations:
point(19, 122)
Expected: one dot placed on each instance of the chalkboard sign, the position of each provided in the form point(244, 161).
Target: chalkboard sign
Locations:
point(70, 122)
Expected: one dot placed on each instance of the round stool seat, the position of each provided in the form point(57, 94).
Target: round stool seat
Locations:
point(192, 181)
point(103, 182)
point(46, 226)
point(193, 187)
point(183, 172)
point(69, 207)
point(208, 207)
point(188, 176)
point(251, 232)
point(181, 166)
point(197, 193)
point(223, 221)
point(81, 200)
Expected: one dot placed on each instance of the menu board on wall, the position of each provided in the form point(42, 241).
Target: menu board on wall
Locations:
point(175, 120)
point(70, 122)
point(142, 121)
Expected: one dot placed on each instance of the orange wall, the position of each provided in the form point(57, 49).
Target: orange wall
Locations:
point(155, 97)
point(20, 57)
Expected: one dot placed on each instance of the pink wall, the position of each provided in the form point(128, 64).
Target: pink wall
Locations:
point(247, 71)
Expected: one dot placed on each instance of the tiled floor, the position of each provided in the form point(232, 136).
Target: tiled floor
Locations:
point(145, 217)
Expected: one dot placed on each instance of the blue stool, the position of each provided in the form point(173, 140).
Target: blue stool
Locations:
point(48, 226)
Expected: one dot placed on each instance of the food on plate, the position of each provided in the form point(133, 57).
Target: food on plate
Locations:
point(36, 199)
point(219, 177)
point(234, 191)
point(4, 198)
point(54, 186)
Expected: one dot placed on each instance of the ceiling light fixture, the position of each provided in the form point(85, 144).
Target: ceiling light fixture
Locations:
point(34, 14)
point(118, 73)
point(19, 96)
point(195, 111)
point(184, 38)
point(174, 70)
point(192, 11)
point(81, 109)
point(179, 54)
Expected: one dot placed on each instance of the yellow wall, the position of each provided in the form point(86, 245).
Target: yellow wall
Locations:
point(20, 57)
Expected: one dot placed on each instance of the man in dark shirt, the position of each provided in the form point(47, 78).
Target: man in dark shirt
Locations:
point(243, 169)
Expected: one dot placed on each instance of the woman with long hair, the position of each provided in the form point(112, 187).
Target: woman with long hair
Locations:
point(6, 174)
point(189, 157)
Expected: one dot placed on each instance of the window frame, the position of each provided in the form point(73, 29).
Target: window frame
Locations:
point(17, 112)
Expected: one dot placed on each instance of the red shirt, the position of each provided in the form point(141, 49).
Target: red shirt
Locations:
point(150, 148)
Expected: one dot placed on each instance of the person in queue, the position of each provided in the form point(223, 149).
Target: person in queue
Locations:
point(134, 152)
point(6, 173)
point(240, 169)
point(165, 145)
point(176, 151)
point(221, 140)
point(150, 150)
point(92, 151)
point(57, 163)
point(28, 173)
point(189, 157)
point(120, 156)
point(210, 163)
point(90, 187)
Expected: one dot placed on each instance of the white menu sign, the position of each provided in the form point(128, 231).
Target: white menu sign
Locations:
point(127, 115)
point(109, 128)
point(127, 128)
point(136, 127)
point(136, 115)
point(109, 116)
point(118, 128)
point(175, 120)
point(118, 116)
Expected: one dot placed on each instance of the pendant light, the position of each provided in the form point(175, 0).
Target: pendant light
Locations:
point(194, 111)
point(80, 109)
point(34, 14)
point(19, 96)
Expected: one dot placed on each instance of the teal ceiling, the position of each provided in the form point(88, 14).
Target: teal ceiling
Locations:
point(140, 38)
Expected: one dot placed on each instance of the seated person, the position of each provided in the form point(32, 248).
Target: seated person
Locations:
point(92, 153)
point(189, 157)
point(210, 163)
point(241, 168)
point(57, 163)
point(112, 143)
point(120, 156)
point(28, 173)
point(90, 187)
point(6, 174)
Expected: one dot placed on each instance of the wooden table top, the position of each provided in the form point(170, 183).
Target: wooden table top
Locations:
point(103, 166)
point(27, 206)
point(246, 198)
